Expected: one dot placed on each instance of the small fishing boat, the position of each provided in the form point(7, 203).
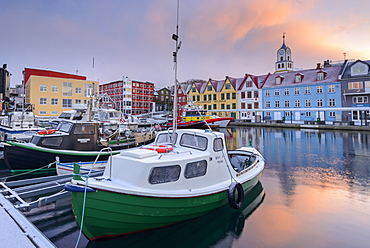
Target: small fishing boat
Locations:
point(162, 184)
point(72, 141)
point(184, 125)
point(18, 124)
point(196, 114)
point(85, 167)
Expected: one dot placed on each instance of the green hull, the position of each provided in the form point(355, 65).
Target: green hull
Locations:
point(111, 214)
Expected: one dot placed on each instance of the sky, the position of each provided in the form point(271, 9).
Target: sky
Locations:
point(106, 40)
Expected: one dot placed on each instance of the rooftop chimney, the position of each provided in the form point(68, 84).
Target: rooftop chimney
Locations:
point(318, 66)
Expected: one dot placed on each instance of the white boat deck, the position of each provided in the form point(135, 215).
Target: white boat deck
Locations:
point(17, 231)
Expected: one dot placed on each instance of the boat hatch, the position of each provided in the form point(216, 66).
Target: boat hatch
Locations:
point(139, 153)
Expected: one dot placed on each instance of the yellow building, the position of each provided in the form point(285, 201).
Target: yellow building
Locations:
point(52, 92)
point(216, 95)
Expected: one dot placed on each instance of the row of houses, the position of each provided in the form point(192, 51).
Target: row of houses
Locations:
point(332, 92)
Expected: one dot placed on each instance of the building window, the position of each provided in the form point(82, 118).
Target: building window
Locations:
point(54, 112)
point(332, 102)
point(233, 106)
point(248, 83)
point(228, 96)
point(355, 85)
point(54, 101)
point(198, 98)
point(249, 106)
point(78, 101)
point(204, 106)
point(214, 106)
point(277, 92)
point(222, 96)
point(331, 88)
point(214, 97)
point(286, 104)
point(194, 89)
point(243, 105)
point(204, 97)
point(67, 89)
point(359, 99)
point(233, 95)
point(308, 114)
point(43, 88)
point(54, 88)
point(277, 104)
point(256, 105)
point(267, 93)
point(209, 87)
point(249, 94)
point(319, 103)
point(320, 76)
point(318, 89)
point(78, 90)
point(308, 103)
point(287, 113)
point(298, 78)
point(88, 90)
point(222, 106)
point(332, 114)
point(307, 90)
point(278, 80)
point(286, 92)
point(297, 103)
point(227, 86)
point(296, 91)
point(42, 112)
point(67, 103)
point(42, 101)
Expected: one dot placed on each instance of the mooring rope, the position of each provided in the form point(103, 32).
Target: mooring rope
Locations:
point(28, 172)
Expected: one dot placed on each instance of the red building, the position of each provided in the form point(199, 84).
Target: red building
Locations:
point(130, 97)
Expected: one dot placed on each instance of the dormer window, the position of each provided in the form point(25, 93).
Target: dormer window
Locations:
point(209, 87)
point(248, 83)
point(278, 80)
point(320, 75)
point(359, 68)
point(298, 78)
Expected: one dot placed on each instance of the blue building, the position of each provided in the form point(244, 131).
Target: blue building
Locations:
point(302, 95)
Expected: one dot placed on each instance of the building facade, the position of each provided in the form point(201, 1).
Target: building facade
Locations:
point(355, 85)
point(52, 92)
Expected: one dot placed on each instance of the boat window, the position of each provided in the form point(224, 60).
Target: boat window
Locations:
point(218, 145)
point(196, 169)
point(84, 129)
point(241, 162)
point(165, 174)
point(65, 127)
point(165, 138)
point(52, 141)
point(194, 141)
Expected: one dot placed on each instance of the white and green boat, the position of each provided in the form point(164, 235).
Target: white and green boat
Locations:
point(179, 177)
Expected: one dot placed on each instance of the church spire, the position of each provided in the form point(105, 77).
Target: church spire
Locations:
point(284, 61)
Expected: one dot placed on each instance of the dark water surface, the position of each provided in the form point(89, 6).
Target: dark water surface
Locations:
point(314, 192)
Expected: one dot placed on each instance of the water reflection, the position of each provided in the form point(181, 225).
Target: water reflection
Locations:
point(219, 228)
point(335, 158)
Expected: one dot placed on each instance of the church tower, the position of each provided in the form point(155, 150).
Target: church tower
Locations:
point(284, 61)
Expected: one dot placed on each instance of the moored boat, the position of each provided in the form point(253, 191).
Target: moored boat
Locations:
point(143, 189)
point(195, 114)
point(72, 141)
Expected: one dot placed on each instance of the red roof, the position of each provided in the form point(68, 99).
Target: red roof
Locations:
point(46, 73)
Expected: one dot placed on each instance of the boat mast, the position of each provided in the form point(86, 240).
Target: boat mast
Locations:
point(175, 37)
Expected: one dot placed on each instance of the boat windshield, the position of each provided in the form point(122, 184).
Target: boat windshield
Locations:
point(165, 138)
point(65, 127)
point(194, 141)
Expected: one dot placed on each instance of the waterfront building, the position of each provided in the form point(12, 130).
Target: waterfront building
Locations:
point(305, 95)
point(120, 92)
point(249, 95)
point(163, 100)
point(215, 95)
point(4, 85)
point(355, 85)
point(52, 92)
point(130, 96)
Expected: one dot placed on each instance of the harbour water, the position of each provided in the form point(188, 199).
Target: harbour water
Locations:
point(314, 192)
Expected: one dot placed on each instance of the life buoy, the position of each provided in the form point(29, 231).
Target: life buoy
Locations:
point(236, 195)
point(159, 148)
point(46, 131)
point(248, 113)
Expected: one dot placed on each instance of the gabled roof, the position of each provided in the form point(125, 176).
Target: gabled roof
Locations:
point(237, 82)
point(217, 84)
point(347, 70)
point(309, 77)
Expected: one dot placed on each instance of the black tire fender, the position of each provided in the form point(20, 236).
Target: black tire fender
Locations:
point(236, 195)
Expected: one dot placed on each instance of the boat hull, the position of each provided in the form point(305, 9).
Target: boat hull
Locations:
point(108, 214)
point(23, 157)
